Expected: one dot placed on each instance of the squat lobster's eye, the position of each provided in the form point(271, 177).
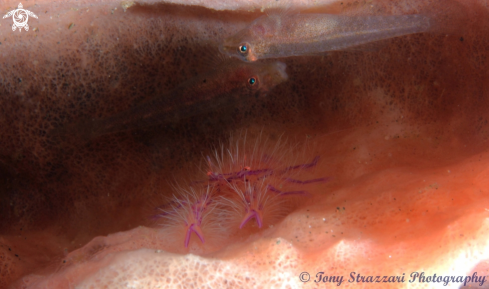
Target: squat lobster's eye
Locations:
point(252, 81)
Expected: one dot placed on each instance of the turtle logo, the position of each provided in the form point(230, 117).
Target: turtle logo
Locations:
point(20, 17)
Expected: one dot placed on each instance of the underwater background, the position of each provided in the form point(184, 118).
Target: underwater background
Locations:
point(367, 159)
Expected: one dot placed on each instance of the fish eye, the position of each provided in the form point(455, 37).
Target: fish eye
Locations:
point(252, 81)
point(243, 49)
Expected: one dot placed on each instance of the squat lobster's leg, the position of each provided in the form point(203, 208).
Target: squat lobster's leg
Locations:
point(197, 230)
point(257, 215)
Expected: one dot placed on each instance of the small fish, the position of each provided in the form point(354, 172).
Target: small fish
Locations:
point(204, 93)
point(292, 34)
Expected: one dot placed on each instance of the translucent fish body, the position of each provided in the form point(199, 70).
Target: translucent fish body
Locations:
point(218, 87)
point(284, 35)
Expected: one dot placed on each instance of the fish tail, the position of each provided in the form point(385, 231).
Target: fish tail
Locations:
point(449, 17)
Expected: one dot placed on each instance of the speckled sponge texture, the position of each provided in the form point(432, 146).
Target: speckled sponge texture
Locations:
point(391, 142)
